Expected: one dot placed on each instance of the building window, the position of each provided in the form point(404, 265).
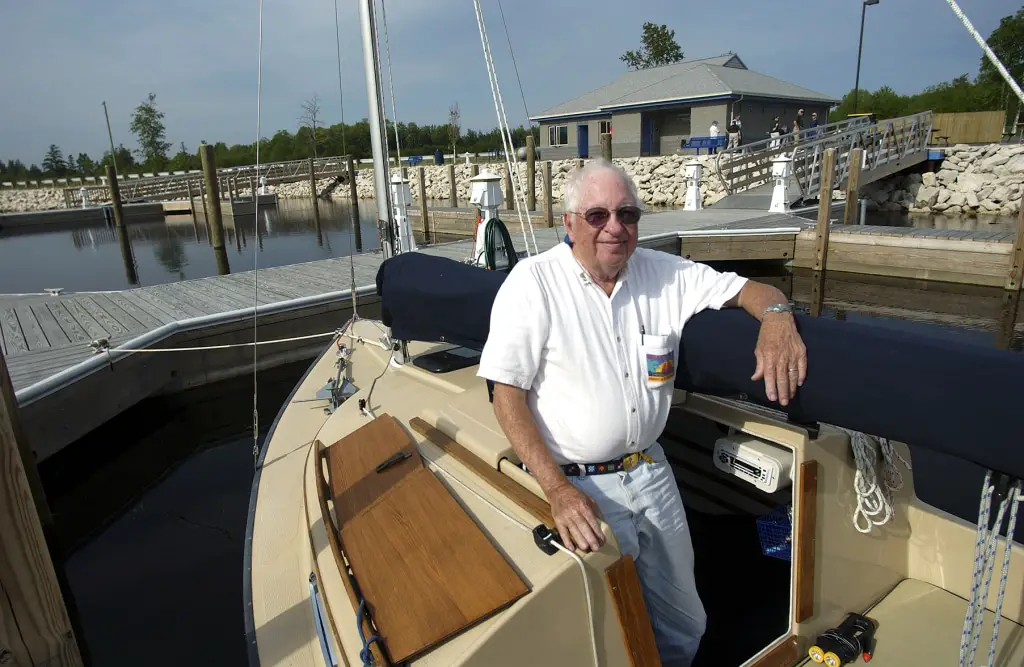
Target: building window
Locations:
point(605, 127)
point(558, 135)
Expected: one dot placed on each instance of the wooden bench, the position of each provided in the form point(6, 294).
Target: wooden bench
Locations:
point(705, 142)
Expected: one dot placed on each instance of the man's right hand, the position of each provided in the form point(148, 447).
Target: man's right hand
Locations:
point(576, 518)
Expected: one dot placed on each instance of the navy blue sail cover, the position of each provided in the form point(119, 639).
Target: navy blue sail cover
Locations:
point(958, 399)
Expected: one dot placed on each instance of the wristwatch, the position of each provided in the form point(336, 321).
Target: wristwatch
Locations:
point(779, 308)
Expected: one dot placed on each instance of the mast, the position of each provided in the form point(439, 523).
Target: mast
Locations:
point(378, 143)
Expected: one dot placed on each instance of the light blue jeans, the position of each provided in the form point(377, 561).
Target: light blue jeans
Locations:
point(644, 509)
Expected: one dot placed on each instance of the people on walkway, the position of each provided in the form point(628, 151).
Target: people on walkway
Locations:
point(734, 133)
point(713, 133)
point(582, 351)
point(775, 133)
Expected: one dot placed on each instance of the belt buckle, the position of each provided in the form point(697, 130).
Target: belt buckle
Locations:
point(630, 461)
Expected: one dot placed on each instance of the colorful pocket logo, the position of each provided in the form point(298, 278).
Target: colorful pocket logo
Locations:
point(660, 367)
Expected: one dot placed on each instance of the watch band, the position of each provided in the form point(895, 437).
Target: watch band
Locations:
point(779, 308)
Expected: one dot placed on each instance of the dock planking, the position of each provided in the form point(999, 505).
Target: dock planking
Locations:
point(41, 335)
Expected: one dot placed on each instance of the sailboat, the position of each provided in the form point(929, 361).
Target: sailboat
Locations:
point(391, 522)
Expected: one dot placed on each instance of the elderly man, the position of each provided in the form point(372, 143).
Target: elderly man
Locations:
point(582, 349)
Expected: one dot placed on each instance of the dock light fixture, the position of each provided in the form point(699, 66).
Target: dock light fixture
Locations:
point(860, 47)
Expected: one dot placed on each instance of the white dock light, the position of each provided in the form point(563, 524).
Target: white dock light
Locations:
point(693, 171)
point(782, 168)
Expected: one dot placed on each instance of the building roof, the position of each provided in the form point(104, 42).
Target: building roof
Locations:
point(721, 76)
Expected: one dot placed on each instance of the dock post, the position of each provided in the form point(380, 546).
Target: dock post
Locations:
point(821, 231)
point(606, 146)
point(115, 197)
point(191, 198)
point(453, 196)
point(353, 193)
point(421, 174)
point(231, 194)
point(474, 170)
point(206, 214)
point(1016, 275)
point(549, 213)
point(510, 196)
point(213, 195)
point(579, 163)
point(856, 161)
point(36, 620)
point(312, 192)
point(531, 174)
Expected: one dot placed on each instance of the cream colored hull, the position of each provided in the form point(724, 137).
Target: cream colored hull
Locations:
point(912, 574)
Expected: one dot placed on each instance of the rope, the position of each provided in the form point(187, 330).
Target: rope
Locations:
point(984, 565)
point(516, 522)
point(874, 500)
point(988, 52)
point(255, 249)
point(513, 54)
point(506, 136)
point(398, 144)
point(365, 654)
point(100, 346)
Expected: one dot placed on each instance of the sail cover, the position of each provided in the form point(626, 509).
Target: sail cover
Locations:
point(930, 392)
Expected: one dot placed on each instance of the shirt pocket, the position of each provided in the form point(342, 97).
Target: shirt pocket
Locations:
point(658, 354)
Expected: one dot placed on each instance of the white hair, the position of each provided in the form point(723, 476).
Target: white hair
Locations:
point(574, 184)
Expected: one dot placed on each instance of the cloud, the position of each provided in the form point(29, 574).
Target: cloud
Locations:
point(63, 58)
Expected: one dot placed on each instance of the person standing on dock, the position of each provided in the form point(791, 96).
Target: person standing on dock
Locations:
point(582, 351)
point(713, 133)
point(734, 134)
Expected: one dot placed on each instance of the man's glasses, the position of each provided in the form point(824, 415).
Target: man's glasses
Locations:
point(599, 216)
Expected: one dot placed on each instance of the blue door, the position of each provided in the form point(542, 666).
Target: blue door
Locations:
point(583, 140)
point(646, 135)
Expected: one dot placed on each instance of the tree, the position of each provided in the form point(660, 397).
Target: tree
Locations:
point(182, 161)
point(86, 166)
point(659, 48)
point(1007, 42)
point(310, 118)
point(453, 127)
point(53, 162)
point(148, 128)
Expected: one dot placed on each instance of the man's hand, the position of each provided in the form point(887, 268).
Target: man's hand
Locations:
point(576, 518)
point(781, 357)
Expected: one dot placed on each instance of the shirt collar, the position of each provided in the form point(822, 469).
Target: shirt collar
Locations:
point(581, 272)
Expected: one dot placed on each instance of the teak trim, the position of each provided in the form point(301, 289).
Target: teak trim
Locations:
point(334, 540)
point(526, 500)
point(783, 655)
point(631, 610)
point(805, 539)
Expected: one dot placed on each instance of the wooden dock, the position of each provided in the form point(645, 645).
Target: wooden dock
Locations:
point(65, 388)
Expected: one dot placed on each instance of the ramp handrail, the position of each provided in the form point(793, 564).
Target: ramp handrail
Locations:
point(178, 185)
point(883, 143)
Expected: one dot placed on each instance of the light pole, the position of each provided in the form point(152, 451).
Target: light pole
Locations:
point(860, 46)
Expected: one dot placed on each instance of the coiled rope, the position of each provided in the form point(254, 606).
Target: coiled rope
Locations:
point(874, 500)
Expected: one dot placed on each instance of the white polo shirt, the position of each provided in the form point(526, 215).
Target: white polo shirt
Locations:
point(578, 352)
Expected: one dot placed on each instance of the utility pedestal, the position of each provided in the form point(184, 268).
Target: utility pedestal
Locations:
point(401, 198)
point(692, 171)
point(782, 169)
point(485, 192)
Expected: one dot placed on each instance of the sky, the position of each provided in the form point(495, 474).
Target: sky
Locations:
point(63, 58)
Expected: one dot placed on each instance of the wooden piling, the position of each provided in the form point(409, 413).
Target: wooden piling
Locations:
point(474, 170)
point(549, 214)
point(115, 197)
point(453, 196)
point(35, 626)
point(579, 163)
point(353, 195)
point(606, 146)
point(850, 212)
point(531, 174)
point(213, 194)
point(828, 164)
point(421, 175)
point(510, 196)
point(191, 198)
point(231, 194)
point(1016, 274)
point(312, 191)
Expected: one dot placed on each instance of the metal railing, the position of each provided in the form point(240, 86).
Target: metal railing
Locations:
point(887, 143)
point(176, 186)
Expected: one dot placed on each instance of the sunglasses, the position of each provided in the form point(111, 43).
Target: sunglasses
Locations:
point(599, 216)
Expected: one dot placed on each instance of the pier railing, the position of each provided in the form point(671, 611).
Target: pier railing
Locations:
point(888, 147)
point(179, 186)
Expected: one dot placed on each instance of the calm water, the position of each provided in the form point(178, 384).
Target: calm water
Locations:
point(151, 508)
point(163, 251)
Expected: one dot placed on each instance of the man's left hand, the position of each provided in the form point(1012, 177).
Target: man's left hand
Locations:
point(781, 357)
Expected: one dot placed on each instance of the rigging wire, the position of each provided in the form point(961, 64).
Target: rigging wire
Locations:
point(506, 137)
point(398, 144)
point(341, 94)
point(513, 53)
point(255, 246)
point(985, 48)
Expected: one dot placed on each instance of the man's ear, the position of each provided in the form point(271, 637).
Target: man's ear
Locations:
point(568, 226)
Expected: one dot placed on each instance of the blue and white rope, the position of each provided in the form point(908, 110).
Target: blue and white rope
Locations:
point(1007, 551)
point(984, 510)
point(990, 563)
